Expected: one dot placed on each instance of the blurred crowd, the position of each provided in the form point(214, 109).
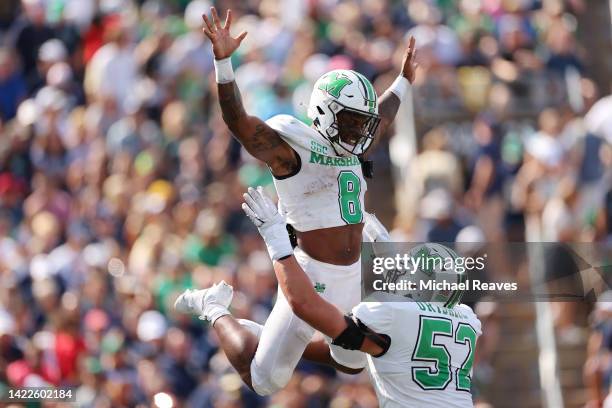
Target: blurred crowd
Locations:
point(120, 185)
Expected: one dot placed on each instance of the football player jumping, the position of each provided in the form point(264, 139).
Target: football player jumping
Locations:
point(420, 354)
point(318, 177)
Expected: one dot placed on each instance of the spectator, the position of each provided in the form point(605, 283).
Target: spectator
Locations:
point(438, 208)
point(112, 71)
point(12, 86)
point(33, 33)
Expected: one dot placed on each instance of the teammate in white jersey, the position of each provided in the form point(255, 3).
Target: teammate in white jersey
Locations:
point(318, 176)
point(420, 354)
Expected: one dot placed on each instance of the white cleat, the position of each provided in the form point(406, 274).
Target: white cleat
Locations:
point(187, 301)
point(205, 302)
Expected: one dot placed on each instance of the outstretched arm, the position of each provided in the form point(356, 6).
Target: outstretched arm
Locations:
point(390, 101)
point(254, 134)
point(295, 284)
point(304, 301)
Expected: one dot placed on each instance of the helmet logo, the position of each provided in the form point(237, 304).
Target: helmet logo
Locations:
point(334, 84)
point(429, 260)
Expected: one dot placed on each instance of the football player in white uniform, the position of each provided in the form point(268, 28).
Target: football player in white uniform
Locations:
point(420, 354)
point(318, 177)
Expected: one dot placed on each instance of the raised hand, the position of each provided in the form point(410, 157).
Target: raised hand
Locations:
point(260, 208)
point(223, 43)
point(409, 64)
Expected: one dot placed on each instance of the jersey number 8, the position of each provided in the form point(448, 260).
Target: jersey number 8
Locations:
point(349, 190)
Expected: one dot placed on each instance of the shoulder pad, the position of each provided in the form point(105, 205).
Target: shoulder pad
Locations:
point(284, 123)
point(292, 130)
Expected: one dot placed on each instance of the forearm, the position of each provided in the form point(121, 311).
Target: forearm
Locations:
point(305, 302)
point(231, 103)
point(388, 106)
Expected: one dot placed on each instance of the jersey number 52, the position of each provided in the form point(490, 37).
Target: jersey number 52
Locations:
point(428, 350)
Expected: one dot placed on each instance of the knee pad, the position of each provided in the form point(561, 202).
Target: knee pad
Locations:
point(267, 382)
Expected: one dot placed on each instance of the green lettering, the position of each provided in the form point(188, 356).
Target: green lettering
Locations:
point(325, 160)
point(316, 158)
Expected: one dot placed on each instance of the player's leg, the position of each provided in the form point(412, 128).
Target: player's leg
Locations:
point(283, 341)
point(317, 350)
point(238, 343)
point(239, 339)
point(265, 364)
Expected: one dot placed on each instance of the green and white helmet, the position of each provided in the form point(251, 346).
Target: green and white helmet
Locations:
point(438, 263)
point(347, 91)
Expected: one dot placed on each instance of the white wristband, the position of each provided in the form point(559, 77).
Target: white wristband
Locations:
point(224, 72)
point(277, 241)
point(400, 87)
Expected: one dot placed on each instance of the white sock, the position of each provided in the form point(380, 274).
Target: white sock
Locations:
point(251, 326)
point(214, 312)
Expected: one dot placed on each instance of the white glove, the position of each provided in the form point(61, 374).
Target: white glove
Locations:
point(376, 233)
point(271, 225)
point(374, 230)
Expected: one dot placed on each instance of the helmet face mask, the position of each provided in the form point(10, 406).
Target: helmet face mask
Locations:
point(354, 130)
point(344, 109)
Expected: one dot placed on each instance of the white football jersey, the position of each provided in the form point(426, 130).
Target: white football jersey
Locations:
point(429, 363)
point(328, 190)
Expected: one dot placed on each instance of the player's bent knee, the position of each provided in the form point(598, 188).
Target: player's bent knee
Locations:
point(267, 382)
